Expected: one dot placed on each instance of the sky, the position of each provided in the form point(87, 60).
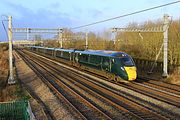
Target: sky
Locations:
point(73, 13)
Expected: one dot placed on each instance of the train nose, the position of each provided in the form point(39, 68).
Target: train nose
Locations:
point(131, 72)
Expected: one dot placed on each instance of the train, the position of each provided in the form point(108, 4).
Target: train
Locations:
point(114, 65)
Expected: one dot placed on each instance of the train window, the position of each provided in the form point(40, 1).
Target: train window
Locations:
point(127, 61)
point(83, 58)
point(49, 52)
point(66, 55)
point(41, 50)
point(95, 59)
point(58, 54)
point(106, 62)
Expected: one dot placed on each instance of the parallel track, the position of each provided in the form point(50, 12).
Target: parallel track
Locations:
point(158, 94)
point(171, 87)
point(40, 75)
point(134, 108)
point(82, 107)
point(164, 88)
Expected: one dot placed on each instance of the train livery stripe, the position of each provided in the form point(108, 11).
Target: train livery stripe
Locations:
point(131, 72)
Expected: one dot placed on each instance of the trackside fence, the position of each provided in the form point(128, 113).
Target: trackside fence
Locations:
point(144, 65)
point(16, 110)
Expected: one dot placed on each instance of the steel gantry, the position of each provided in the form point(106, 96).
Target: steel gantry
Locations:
point(162, 29)
point(30, 31)
point(27, 31)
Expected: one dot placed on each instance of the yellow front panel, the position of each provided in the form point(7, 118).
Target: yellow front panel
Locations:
point(131, 71)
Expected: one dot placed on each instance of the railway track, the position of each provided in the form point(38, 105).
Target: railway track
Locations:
point(73, 84)
point(34, 68)
point(162, 91)
point(81, 107)
point(158, 94)
point(90, 89)
point(165, 86)
point(131, 106)
point(145, 102)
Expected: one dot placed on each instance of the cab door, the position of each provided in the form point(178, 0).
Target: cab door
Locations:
point(106, 64)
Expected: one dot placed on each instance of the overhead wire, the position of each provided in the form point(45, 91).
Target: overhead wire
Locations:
point(5, 29)
point(125, 15)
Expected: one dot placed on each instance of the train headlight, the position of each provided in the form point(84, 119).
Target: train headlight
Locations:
point(122, 69)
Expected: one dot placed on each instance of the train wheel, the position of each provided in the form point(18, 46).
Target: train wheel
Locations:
point(110, 77)
point(120, 80)
point(116, 79)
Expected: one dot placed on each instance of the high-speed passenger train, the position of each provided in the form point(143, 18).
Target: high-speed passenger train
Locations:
point(113, 65)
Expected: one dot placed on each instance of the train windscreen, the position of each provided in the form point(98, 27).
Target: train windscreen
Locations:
point(127, 61)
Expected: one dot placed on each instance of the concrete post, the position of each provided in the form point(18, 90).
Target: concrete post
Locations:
point(115, 38)
point(165, 29)
point(60, 37)
point(114, 33)
point(11, 75)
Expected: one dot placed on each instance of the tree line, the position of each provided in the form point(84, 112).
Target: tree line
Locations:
point(139, 45)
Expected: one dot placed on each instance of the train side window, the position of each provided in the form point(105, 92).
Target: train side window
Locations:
point(83, 58)
point(95, 59)
point(66, 55)
point(106, 61)
point(58, 53)
point(49, 52)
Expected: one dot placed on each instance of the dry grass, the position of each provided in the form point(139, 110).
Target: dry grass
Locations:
point(174, 78)
point(8, 92)
point(3, 65)
point(3, 70)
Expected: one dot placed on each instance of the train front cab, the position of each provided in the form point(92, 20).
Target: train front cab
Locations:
point(129, 68)
point(124, 67)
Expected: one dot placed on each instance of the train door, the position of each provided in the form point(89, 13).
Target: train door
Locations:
point(76, 57)
point(54, 54)
point(112, 61)
point(70, 56)
point(106, 64)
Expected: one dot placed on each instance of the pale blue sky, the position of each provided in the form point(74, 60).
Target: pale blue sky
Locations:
point(72, 13)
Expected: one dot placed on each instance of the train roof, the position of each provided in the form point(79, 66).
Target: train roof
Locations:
point(49, 48)
point(65, 50)
point(104, 53)
point(43, 47)
point(36, 46)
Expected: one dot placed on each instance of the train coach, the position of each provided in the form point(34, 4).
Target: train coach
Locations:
point(113, 65)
